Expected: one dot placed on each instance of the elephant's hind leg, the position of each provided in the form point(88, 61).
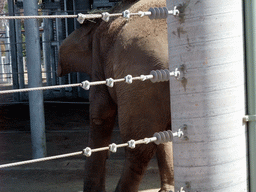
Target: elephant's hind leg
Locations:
point(165, 163)
point(102, 117)
point(136, 163)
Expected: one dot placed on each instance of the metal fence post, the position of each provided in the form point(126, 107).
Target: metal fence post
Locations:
point(19, 54)
point(46, 52)
point(36, 105)
point(250, 38)
point(13, 50)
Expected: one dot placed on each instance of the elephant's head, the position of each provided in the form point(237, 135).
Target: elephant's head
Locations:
point(75, 54)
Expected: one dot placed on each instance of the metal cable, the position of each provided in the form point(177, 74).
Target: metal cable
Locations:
point(40, 160)
point(154, 13)
point(155, 76)
point(110, 82)
point(84, 84)
point(73, 154)
point(39, 17)
point(160, 137)
point(85, 16)
point(39, 88)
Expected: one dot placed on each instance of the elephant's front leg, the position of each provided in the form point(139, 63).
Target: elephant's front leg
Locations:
point(102, 117)
point(165, 163)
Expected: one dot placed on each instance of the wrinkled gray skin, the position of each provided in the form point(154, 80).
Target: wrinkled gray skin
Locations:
point(116, 49)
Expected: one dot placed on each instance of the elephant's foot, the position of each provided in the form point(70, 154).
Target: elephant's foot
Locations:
point(167, 188)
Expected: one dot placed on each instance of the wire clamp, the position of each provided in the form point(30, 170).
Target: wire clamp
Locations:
point(80, 18)
point(177, 73)
point(87, 151)
point(174, 12)
point(110, 82)
point(131, 144)
point(113, 148)
point(148, 140)
point(128, 79)
point(179, 133)
point(86, 85)
point(105, 16)
point(141, 13)
point(248, 118)
point(126, 14)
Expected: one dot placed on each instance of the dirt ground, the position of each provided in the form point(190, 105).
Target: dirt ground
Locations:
point(66, 131)
point(67, 176)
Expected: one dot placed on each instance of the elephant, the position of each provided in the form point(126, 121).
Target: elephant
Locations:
point(115, 49)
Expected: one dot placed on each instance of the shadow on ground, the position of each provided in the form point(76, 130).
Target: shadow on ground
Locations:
point(66, 132)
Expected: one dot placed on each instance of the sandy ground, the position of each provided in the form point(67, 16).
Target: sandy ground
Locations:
point(67, 176)
point(66, 131)
point(63, 174)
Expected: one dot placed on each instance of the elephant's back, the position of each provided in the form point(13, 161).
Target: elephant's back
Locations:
point(138, 43)
point(136, 46)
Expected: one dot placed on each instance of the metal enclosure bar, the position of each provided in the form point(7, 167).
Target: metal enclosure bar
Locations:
point(19, 54)
point(206, 43)
point(16, 96)
point(46, 52)
point(36, 106)
point(250, 38)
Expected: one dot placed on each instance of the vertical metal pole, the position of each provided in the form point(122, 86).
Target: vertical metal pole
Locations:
point(250, 37)
point(65, 36)
point(58, 34)
point(36, 106)
point(13, 50)
point(46, 52)
point(7, 61)
point(74, 76)
point(74, 10)
point(206, 43)
point(1, 68)
point(66, 20)
point(19, 54)
point(52, 51)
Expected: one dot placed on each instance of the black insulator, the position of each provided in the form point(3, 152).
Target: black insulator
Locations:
point(163, 137)
point(160, 75)
point(158, 13)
